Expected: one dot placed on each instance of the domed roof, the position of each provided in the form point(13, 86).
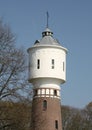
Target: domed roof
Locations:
point(47, 39)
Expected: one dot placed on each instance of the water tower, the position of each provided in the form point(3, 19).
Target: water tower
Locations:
point(47, 71)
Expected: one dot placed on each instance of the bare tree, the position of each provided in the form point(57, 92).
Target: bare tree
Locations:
point(13, 78)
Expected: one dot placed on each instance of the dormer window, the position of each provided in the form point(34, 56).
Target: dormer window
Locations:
point(36, 42)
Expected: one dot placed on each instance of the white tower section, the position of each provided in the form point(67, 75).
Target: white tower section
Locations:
point(47, 63)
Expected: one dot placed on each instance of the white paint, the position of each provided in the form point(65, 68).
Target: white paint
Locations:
point(46, 83)
point(43, 91)
point(45, 54)
point(47, 91)
point(45, 77)
point(51, 92)
point(39, 91)
point(58, 93)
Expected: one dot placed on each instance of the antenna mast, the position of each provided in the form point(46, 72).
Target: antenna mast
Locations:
point(47, 19)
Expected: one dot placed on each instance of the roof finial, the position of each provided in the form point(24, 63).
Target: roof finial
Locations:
point(47, 19)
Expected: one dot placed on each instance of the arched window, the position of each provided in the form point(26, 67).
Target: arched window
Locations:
point(44, 105)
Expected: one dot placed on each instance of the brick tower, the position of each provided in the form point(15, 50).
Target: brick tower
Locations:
point(47, 71)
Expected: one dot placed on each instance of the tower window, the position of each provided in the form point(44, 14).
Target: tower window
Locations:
point(53, 63)
point(56, 124)
point(63, 66)
point(55, 92)
point(44, 105)
point(38, 63)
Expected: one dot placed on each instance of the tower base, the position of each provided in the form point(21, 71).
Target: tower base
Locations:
point(46, 114)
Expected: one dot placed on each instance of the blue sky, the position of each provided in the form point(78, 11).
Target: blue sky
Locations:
point(71, 23)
